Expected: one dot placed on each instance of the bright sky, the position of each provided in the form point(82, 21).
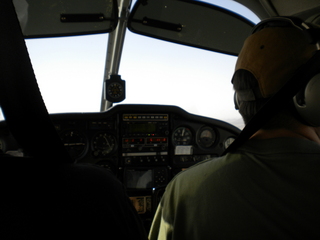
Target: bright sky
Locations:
point(70, 73)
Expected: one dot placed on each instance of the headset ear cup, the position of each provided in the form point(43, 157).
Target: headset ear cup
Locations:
point(307, 102)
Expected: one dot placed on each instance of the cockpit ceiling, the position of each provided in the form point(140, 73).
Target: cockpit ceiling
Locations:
point(307, 10)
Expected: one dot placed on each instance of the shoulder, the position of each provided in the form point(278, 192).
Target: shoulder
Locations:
point(199, 174)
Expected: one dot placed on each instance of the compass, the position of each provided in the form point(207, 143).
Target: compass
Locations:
point(115, 89)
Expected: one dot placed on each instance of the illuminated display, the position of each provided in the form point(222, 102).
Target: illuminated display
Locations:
point(157, 140)
point(133, 140)
point(142, 128)
point(145, 133)
point(153, 140)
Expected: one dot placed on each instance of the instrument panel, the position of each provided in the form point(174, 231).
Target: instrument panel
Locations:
point(143, 145)
point(135, 136)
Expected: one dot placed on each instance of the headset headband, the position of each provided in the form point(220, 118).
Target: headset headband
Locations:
point(281, 22)
point(312, 34)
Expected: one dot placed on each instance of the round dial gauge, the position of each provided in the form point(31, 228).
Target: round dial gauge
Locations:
point(182, 136)
point(228, 142)
point(103, 144)
point(206, 137)
point(75, 142)
point(115, 90)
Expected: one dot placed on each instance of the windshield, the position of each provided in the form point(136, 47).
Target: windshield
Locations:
point(70, 73)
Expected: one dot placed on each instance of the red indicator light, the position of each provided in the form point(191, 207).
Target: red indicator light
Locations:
point(157, 140)
point(133, 140)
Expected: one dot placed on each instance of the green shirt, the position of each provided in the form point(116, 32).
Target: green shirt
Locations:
point(267, 189)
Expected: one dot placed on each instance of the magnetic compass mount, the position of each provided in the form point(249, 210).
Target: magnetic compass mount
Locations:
point(115, 89)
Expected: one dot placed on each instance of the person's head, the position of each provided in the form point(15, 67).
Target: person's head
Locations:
point(268, 59)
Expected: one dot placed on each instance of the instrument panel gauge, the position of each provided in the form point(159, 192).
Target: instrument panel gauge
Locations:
point(182, 136)
point(75, 143)
point(103, 144)
point(115, 90)
point(206, 137)
point(228, 142)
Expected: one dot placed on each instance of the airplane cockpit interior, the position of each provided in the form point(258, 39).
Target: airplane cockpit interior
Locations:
point(144, 144)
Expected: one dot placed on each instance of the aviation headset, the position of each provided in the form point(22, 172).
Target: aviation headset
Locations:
point(307, 100)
